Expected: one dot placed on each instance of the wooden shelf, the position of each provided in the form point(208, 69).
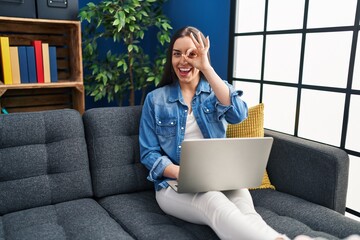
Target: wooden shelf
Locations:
point(41, 85)
point(66, 37)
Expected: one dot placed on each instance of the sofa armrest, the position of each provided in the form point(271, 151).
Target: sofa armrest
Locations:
point(312, 171)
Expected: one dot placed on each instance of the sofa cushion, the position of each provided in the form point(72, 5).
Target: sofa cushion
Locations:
point(78, 219)
point(290, 226)
point(141, 216)
point(112, 135)
point(43, 159)
point(317, 220)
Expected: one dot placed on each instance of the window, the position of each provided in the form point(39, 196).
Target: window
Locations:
point(307, 52)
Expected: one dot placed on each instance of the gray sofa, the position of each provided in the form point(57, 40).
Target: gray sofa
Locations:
point(66, 176)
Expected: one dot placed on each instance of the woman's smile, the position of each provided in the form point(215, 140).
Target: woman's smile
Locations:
point(184, 71)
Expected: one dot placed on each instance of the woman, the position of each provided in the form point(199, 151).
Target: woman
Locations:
point(192, 101)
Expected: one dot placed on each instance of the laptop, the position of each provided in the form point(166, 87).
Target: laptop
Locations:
point(221, 164)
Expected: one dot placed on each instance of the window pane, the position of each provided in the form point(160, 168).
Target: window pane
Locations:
point(250, 16)
point(285, 14)
point(331, 13)
point(248, 55)
point(279, 107)
point(251, 92)
point(282, 57)
point(353, 196)
point(326, 61)
point(353, 131)
point(321, 116)
point(356, 76)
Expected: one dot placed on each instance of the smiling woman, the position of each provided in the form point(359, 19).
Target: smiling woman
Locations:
point(200, 105)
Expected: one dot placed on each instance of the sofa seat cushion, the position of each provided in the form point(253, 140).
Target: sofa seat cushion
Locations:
point(78, 219)
point(290, 226)
point(141, 216)
point(293, 216)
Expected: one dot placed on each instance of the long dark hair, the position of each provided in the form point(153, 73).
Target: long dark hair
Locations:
point(169, 75)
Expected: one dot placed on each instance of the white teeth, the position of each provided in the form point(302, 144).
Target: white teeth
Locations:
point(184, 69)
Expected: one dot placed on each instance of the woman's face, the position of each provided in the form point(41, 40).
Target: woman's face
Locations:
point(184, 71)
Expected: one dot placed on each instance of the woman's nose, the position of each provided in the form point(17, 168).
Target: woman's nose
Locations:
point(183, 60)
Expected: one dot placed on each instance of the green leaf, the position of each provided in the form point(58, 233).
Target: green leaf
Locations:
point(117, 88)
point(136, 48)
point(122, 20)
point(110, 97)
point(125, 67)
point(94, 93)
point(109, 75)
point(150, 79)
point(120, 63)
point(165, 26)
point(130, 48)
point(97, 97)
point(162, 40)
point(116, 22)
point(89, 48)
point(91, 5)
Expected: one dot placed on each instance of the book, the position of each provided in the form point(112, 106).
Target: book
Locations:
point(46, 62)
point(30, 55)
point(24, 73)
point(15, 67)
point(53, 64)
point(38, 60)
point(5, 60)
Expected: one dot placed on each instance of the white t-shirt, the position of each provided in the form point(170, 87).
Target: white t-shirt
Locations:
point(192, 130)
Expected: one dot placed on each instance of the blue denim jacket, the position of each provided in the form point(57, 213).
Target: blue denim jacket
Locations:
point(163, 120)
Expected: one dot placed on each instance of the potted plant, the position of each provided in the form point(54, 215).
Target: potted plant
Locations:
point(124, 22)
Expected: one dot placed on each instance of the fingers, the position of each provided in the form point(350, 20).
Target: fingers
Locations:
point(200, 43)
point(194, 40)
point(197, 56)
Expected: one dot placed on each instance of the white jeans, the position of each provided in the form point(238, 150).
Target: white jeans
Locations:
point(230, 214)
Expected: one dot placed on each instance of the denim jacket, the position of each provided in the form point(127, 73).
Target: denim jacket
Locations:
point(163, 121)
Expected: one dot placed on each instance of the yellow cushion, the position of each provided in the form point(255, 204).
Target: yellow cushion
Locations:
point(253, 126)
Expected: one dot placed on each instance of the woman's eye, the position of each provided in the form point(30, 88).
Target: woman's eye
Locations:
point(192, 55)
point(176, 54)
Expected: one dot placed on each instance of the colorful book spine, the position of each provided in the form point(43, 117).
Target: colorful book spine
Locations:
point(38, 60)
point(30, 54)
point(46, 62)
point(53, 64)
point(5, 60)
point(24, 73)
point(15, 67)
